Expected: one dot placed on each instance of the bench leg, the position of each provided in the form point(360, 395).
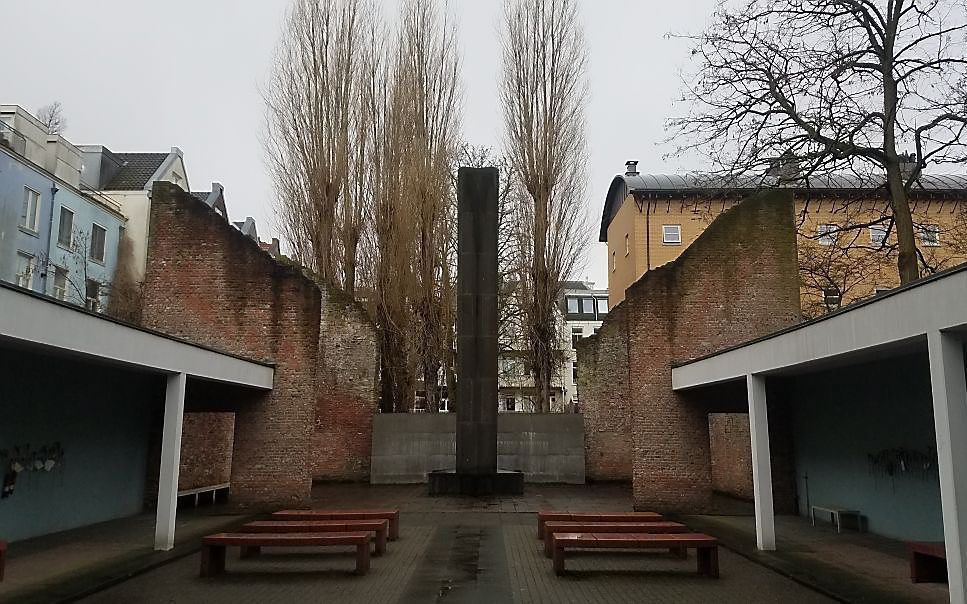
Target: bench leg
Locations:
point(249, 551)
point(540, 528)
point(708, 561)
point(212, 560)
point(558, 560)
point(380, 548)
point(927, 569)
point(394, 528)
point(362, 558)
point(549, 545)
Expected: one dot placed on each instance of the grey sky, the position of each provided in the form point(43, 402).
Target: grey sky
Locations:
point(146, 76)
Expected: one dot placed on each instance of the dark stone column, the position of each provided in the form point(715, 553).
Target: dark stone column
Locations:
point(477, 321)
point(476, 436)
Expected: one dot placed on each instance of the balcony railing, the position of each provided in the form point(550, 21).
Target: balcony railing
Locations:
point(13, 140)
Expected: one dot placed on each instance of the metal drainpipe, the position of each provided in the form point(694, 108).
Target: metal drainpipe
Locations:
point(647, 235)
point(50, 232)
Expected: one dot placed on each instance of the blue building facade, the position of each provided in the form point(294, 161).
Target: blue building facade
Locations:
point(54, 238)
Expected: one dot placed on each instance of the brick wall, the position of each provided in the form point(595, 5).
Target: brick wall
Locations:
point(730, 450)
point(210, 284)
point(206, 457)
point(737, 281)
point(603, 383)
point(343, 429)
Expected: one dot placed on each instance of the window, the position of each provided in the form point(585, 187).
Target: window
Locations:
point(596, 329)
point(826, 234)
point(510, 404)
point(572, 306)
point(877, 234)
point(930, 235)
point(612, 261)
point(574, 372)
point(602, 306)
point(60, 283)
point(26, 265)
point(587, 306)
point(576, 334)
point(30, 217)
point(832, 297)
point(671, 234)
point(65, 231)
point(627, 245)
point(93, 295)
point(98, 236)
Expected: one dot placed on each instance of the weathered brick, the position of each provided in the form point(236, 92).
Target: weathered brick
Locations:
point(737, 281)
point(205, 281)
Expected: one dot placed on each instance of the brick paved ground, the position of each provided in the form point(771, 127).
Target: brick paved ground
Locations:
point(462, 550)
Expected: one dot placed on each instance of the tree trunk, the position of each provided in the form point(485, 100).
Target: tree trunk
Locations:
point(907, 263)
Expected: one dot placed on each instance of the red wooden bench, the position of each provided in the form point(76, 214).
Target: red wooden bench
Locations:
point(214, 546)
point(543, 517)
point(379, 529)
point(3, 557)
point(706, 547)
point(928, 561)
point(556, 526)
point(393, 516)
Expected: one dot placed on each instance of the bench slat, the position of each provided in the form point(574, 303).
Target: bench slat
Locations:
point(287, 539)
point(393, 516)
point(549, 516)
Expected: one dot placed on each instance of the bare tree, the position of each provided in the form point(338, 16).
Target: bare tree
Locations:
point(544, 92)
point(428, 91)
point(811, 87)
point(52, 116)
point(313, 110)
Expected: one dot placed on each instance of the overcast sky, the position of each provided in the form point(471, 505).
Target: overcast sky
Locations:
point(147, 76)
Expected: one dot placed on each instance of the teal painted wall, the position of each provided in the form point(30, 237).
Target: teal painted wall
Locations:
point(841, 418)
point(100, 416)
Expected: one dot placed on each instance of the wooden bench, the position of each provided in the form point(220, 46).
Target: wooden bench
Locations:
point(393, 516)
point(3, 557)
point(214, 546)
point(552, 527)
point(378, 528)
point(543, 517)
point(706, 547)
point(928, 561)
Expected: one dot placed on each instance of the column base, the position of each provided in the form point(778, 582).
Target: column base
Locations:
point(451, 482)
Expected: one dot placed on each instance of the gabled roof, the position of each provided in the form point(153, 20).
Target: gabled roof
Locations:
point(697, 184)
point(136, 171)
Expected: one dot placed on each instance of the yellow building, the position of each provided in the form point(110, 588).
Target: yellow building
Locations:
point(845, 236)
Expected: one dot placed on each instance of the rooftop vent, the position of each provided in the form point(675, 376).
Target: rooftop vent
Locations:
point(631, 167)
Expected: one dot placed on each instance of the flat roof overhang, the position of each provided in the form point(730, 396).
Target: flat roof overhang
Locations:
point(37, 322)
point(893, 323)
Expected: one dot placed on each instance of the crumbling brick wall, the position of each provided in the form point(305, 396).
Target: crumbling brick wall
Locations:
point(605, 405)
point(737, 281)
point(207, 282)
point(343, 431)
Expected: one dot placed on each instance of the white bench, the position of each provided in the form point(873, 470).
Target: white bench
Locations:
point(835, 515)
point(216, 490)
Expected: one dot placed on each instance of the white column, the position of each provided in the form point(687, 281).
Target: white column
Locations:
point(765, 521)
point(949, 386)
point(164, 532)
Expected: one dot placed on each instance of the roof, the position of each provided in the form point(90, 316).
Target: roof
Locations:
point(867, 329)
point(697, 183)
point(136, 171)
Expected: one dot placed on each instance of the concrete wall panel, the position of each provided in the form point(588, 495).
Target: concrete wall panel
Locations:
point(548, 448)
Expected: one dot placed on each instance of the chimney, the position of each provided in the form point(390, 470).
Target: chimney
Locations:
point(631, 167)
point(908, 164)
